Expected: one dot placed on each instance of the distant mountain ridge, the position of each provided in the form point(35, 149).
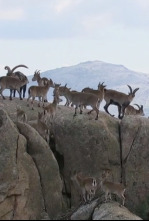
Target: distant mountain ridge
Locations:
point(89, 74)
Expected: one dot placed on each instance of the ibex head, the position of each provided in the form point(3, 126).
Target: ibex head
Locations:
point(36, 75)
point(141, 111)
point(132, 92)
point(101, 86)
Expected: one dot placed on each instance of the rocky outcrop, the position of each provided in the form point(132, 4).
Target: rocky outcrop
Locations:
point(79, 144)
point(30, 183)
point(47, 168)
point(112, 211)
point(90, 146)
point(135, 145)
point(86, 145)
point(85, 212)
point(20, 189)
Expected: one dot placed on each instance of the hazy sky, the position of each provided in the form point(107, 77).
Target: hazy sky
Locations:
point(46, 34)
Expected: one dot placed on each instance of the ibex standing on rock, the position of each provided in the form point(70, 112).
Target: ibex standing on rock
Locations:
point(110, 187)
point(80, 99)
point(99, 93)
point(87, 185)
point(11, 83)
point(50, 110)
point(119, 99)
point(41, 81)
point(18, 75)
point(40, 92)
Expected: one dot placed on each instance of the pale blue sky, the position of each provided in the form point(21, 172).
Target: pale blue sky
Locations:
point(47, 34)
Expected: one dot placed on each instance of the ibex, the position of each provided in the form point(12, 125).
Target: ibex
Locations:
point(13, 84)
point(99, 93)
point(110, 187)
point(119, 99)
point(40, 81)
point(40, 92)
point(50, 110)
point(19, 75)
point(41, 127)
point(21, 115)
point(87, 186)
point(61, 94)
point(130, 110)
point(80, 99)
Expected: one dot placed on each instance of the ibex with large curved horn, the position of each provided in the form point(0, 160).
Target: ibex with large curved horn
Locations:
point(11, 83)
point(119, 99)
point(19, 75)
point(130, 110)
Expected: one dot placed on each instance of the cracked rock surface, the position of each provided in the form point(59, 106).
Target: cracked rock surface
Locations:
point(31, 183)
point(29, 175)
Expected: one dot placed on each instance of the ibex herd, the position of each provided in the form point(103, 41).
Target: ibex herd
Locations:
point(89, 185)
point(17, 81)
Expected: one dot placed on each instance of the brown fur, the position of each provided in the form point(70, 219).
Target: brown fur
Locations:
point(87, 186)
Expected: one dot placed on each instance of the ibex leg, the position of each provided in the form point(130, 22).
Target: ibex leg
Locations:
point(18, 90)
point(14, 93)
point(10, 98)
point(1, 92)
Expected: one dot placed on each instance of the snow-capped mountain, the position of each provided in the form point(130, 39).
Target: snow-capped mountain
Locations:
point(89, 74)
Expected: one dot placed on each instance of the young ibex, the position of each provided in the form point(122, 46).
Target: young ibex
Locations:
point(13, 84)
point(50, 110)
point(80, 99)
point(130, 110)
point(87, 186)
point(119, 99)
point(99, 93)
point(110, 187)
point(41, 127)
point(40, 81)
point(40, 92)
point(19, 75)
point(61, 92)
point(21, 115)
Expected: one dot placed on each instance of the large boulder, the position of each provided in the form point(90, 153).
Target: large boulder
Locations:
point(20, 189)
point(112, 211)
point(79, 144)
point(86, 145)
point(47, 167)
point(85, 211)
point(135, 146)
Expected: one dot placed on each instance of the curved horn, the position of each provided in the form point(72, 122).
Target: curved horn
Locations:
point(65, 85)
point(8, 69)
point(141, 107)
point(18, 66)
point(102, 83)
point(137, 106)
point(130, 89)
point(135, 90)
point(38, 72)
